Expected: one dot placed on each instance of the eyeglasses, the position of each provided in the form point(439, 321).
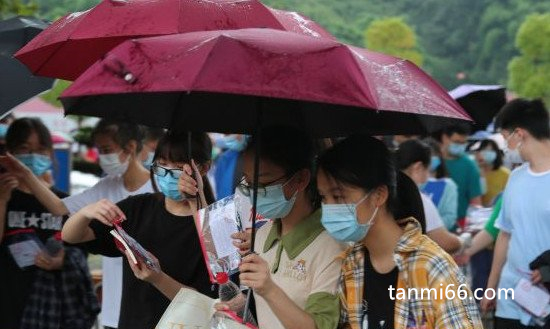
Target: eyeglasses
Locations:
point(247, 190)
point(162, 171)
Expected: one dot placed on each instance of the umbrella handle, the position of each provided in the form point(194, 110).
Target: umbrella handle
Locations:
point(258, 136)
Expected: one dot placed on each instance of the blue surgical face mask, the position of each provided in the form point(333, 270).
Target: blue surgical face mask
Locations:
point(273, 204)
point(232, 142)
point(489, 156)
point(37, 163)
point(457, 149)
point(148, 163)
point(435, 162)
point(3, 130)
point(169, 186)
point(340, 221)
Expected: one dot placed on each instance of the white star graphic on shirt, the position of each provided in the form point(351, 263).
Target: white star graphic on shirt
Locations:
point(33, 221)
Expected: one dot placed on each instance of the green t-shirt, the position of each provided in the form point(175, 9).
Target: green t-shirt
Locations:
point(490, 225)
point(465, 174)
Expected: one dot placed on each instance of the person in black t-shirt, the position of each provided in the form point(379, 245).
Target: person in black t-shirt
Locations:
point(163, 224)
point(380, 310)
point(25, 222)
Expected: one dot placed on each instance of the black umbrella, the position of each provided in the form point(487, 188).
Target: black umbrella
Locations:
point(17, 84)
point(481, 102)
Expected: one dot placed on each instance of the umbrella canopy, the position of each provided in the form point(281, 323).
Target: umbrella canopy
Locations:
point(17, 84)
point(17, 31)
point(482, 102)
point(217, 81)
point(76, 41)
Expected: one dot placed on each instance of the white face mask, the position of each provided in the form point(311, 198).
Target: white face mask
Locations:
point(513, 156)
point(111, 165)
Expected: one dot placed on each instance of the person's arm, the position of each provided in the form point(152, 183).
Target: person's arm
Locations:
point(445, 239)
point(448, 205)
point(77, 228)
point(167, 285)
point(164, 283)
point(481, 241)
point(435, 228)
point(50, 263)
point(488, 235)
point(3, 210)
point(499, 258)
point(255, 274)
point(290, 315)
point(490, 227)
point(80, 200)
point(475, 186)
point(44, 195)
point(476, 201)
point(8, 182)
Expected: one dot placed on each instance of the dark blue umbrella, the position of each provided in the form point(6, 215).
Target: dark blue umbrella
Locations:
point(481, 102)
point(17, 84)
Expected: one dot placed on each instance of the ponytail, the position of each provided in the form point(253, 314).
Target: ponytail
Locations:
point(409, 202)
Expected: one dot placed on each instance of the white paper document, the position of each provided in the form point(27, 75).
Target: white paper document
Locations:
point(532, 298)
point(222, 225)
point(24, 252)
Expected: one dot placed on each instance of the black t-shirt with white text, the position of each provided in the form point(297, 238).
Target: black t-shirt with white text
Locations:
point(380, 306)
point(172, 239)
point(24, 216)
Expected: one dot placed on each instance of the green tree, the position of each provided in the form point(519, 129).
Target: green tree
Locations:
point(17, 7)
point(529, 73)
point(393, 36)
point(52, 95)
point(54, 9)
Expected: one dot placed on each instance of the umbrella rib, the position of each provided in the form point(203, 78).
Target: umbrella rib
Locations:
point(60, 44)
point(199, 73)
point(369, 90)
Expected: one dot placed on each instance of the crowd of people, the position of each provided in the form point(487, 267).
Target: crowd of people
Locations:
point(350, 220)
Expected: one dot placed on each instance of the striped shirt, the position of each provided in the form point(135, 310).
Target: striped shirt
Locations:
point(422, 264)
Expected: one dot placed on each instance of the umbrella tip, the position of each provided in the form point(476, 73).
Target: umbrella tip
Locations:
point(130, 78)
point(112, 64)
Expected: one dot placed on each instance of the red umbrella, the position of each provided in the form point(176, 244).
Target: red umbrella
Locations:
point(217, 81)
point(76, 41)
point(234, 81)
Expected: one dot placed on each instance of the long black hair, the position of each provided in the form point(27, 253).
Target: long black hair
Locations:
point(292, 150)
point(365, 162)
point(174, 147)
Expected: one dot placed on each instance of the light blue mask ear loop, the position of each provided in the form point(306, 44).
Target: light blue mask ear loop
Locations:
point(373, 214)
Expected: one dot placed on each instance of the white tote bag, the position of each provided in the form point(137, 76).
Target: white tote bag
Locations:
point(189, 309)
